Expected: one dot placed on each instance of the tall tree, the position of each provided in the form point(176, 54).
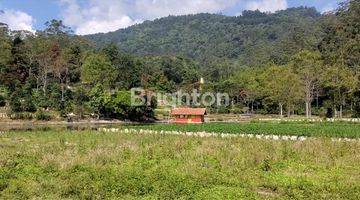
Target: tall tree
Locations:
point(341, 43)
point(56, 28)
point(307, 65)
point(5, 52)
point(341, 82)
point(97, 69)
point(250, 85)
point(282, 86)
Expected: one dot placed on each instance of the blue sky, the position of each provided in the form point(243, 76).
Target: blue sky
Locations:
point(93, 16)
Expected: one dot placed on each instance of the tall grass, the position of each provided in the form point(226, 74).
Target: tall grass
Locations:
point(94, 165)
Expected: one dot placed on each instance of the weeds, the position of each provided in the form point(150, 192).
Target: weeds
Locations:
point(61, 164)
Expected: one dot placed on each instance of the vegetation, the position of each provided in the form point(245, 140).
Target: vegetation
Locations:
point(71, 164)
point(311, 129)
point(251, 39)
point(295, 61)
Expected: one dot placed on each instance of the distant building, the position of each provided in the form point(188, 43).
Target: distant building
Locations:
point(188, 115)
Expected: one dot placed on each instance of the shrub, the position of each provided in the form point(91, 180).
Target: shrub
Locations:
point(223, 110)
point(43, 116)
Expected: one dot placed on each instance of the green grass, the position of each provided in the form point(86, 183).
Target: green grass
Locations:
point(94, 165)
point(283, 128)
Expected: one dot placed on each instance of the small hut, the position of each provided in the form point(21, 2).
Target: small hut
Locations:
point(188, 115)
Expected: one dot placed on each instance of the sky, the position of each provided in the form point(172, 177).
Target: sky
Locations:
point(101, 16)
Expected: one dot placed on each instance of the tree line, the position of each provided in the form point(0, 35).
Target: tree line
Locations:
point(53, 72)
point(56, 72)
point(322, 81)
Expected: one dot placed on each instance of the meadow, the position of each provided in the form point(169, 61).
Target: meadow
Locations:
point(60, 164)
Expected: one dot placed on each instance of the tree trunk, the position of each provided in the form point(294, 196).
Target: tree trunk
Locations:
point(308, 99)
point(289, 111)
point(252, 107)
point(341, 111)
point(317, 100)
point(307, 110)
point(62, 92)
point(335, 112)
point(45, 84)
point(281, 110)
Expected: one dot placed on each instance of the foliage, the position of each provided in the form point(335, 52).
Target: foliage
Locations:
point(342, 41)
point(307, 65)
point(283, 86)
point(43, 116)
point(341, 82)
point(253, 38)
point(97, 69)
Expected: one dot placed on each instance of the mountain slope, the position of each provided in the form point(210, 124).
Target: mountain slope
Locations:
point(250, 39)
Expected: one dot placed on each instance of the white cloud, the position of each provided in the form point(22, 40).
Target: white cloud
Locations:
point(96, 16)
point(17, 20)
point(160, 8)
point(99, 26)
point(329, 7)
point(267, 5)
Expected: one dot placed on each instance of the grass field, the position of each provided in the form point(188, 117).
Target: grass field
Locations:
point(316, 129)
point(94, 165)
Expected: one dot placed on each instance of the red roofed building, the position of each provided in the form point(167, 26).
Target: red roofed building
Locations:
point(188, 115)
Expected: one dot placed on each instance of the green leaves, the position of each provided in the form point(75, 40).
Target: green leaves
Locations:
point(97, 69)
point(282, 86)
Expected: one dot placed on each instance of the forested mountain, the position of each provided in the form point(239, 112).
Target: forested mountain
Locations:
point(251, 39)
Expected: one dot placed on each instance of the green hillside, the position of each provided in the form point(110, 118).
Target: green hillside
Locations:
point(253, 38)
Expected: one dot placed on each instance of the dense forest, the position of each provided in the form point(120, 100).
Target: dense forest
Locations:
point(250, 39)
point(295, 61)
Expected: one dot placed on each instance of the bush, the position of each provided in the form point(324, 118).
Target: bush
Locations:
point(15, 104)
point(222, 110)
point(20, 102)
point(43, 116)
point(162, 112)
